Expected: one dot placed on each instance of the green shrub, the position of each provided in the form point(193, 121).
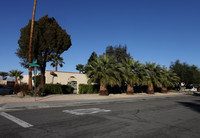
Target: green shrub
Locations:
point(24, 88)
point(21, 88)
point(57, 89)
point(67, 89)
point(37, 80)
point(52, 89)
point(16, 89)
point(88, 89)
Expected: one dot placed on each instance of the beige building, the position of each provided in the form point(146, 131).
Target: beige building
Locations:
point(74, 79)
point(3, 82)
point(54, 77)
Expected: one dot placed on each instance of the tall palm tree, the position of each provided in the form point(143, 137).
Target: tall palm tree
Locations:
point(57, 60)
point(16, 74)
point(3, 75)
point(20, 79)
point(30, 58)
point(173, 78)
point(152, 76)
point(132, 74)
point(164, 78)
point(104, 71)
point(168, 79)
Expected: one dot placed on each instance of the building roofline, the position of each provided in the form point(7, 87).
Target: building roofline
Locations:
point(66, 72)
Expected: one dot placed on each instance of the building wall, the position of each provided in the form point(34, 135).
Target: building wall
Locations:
point(3, 82)
point(65, 78)
point(61, 77)
point(25, 79)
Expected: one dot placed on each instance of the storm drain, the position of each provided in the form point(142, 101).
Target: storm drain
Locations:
point(85, 111)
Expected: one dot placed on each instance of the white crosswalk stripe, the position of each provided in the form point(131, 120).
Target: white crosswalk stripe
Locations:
point(16, 120)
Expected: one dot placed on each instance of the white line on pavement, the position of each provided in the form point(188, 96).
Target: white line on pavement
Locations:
point(16, 120)
point(85, 111)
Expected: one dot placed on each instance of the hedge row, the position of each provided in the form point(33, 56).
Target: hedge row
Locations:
point(88, 89)
point(57, 89)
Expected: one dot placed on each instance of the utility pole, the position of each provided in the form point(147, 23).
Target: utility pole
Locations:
point(30, 58)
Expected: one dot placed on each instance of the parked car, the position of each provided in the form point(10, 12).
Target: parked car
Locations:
point(193, 89)
point(5, 90)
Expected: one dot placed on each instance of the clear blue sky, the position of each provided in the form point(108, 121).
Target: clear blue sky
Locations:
point(158, 31)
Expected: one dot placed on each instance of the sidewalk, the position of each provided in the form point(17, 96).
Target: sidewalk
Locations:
point(12, 102)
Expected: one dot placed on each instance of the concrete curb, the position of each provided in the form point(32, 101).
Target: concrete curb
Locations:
point(13, 106)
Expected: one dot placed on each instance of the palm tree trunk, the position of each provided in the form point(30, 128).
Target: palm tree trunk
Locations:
point(150, 89)
point(16, 82)
point(42, 77)
point(56, 67)
point(130, 89)
point(164, 89)
point(30, 47)
point(30, 77)
point(103, 90)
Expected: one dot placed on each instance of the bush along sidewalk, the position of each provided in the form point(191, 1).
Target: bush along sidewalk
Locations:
point(21, 90)
point(88, 89)
point(57, 89)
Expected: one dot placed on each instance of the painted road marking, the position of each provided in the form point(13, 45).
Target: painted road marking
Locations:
point(85, 111)
point(16, 120)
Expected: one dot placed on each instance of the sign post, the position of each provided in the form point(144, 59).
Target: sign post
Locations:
point(35, 65)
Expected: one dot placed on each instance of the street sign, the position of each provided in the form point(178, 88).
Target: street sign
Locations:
point(34, 64)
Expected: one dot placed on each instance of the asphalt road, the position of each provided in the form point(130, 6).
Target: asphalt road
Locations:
point(169, 117)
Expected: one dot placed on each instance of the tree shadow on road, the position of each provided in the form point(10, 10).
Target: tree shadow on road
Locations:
point(191, 105)
point(197, 100)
